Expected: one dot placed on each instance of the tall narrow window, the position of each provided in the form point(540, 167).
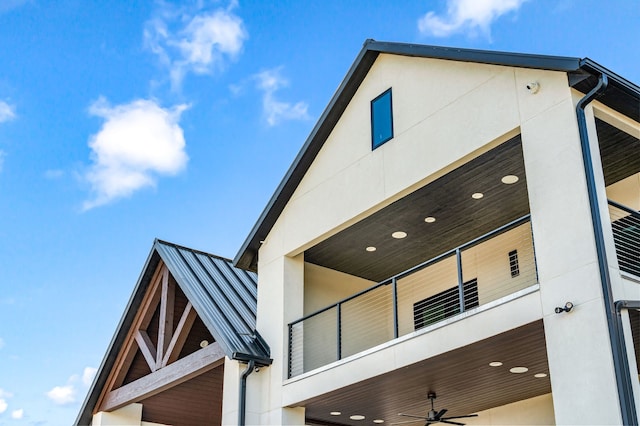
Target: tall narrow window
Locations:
point(513, 263)
point(381, 119)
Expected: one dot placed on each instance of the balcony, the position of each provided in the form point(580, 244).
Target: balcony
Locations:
point(625, 223)
point(446, 287)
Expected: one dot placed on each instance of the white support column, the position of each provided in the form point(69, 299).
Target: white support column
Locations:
point(131, 415)
point(578, 346)
point(280, 301)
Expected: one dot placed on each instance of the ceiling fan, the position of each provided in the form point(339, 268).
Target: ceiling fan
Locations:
point(434, 416)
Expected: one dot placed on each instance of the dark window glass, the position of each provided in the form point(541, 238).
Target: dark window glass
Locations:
point(513, 263)
point(381, 119)
point(444, 305)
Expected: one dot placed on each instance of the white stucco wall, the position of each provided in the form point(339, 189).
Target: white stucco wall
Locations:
point(533, 411)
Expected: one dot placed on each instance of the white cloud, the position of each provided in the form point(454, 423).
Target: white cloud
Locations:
point(88, 374)
point(269, 82)
point(3, 400)
point(62, 395)
point(66, 394)
point(466, 15)
point(7, 112)
point(17, 414)
point(137, 142)
point(200, 42)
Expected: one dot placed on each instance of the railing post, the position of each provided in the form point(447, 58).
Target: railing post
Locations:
point(339, 331)
point(533, 248)
point(460, 279)
point(394, 289)
point(290, 350)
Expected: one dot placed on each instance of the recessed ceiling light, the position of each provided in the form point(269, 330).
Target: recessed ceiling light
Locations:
point(378, 421)
point(399, 235)
point(357, 417)
point(510, 179)
point(430, 219)
point(371, 248)
point(540, 375)
point(335, 413)
point(519, 370)
point(495, 364)
point(477, 195)
point(204, 343)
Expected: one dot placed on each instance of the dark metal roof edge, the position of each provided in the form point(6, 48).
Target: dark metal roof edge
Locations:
point(86, 411)
point(522, 60)
point(244, 358)
point(615, 79)
point(181, 247)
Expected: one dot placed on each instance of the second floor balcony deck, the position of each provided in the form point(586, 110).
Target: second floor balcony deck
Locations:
point(489, 269)
point(484, 270)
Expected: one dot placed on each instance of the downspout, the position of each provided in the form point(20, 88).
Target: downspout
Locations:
point(243, 392)
point(620, 362)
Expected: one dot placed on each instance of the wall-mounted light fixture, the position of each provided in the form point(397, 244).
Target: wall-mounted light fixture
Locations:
point(533, 87)
point(567, 308)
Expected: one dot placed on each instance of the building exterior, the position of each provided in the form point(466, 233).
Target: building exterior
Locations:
point(459, 222)
point(411, 135)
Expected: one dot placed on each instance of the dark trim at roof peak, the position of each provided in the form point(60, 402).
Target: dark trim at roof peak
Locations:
point(625, 97)
point(524, 60)
point(181, 247)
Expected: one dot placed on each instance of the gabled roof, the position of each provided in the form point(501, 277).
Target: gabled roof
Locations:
point(622, 95)
point(224, 297)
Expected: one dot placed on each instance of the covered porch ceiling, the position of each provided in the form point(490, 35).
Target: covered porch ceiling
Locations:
point(459, 218)
point(462, 380)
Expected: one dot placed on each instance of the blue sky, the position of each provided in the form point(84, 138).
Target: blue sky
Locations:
point(125, 121)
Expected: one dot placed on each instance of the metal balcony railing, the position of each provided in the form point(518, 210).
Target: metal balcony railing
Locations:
point(487, 268)
point(625, 223)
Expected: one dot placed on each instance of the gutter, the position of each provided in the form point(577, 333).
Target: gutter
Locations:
point(616, 337)
point(242, 404)
point(254, 361)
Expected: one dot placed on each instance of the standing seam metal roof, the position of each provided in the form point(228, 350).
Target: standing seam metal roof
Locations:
point(225, 297)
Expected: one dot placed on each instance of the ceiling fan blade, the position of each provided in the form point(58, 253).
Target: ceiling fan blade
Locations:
point(406, 422)
point(414, 416)
point(451, 423)
point(461, 417)
point(441, 413)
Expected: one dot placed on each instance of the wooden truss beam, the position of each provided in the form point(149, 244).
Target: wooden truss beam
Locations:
point(172, 375)
point(180, 335)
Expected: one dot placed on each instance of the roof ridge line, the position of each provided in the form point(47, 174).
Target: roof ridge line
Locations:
point(180, 246)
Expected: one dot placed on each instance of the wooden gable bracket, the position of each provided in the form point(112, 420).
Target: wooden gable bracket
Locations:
point(180, 371)
point(166, 369)
point(170, 342)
